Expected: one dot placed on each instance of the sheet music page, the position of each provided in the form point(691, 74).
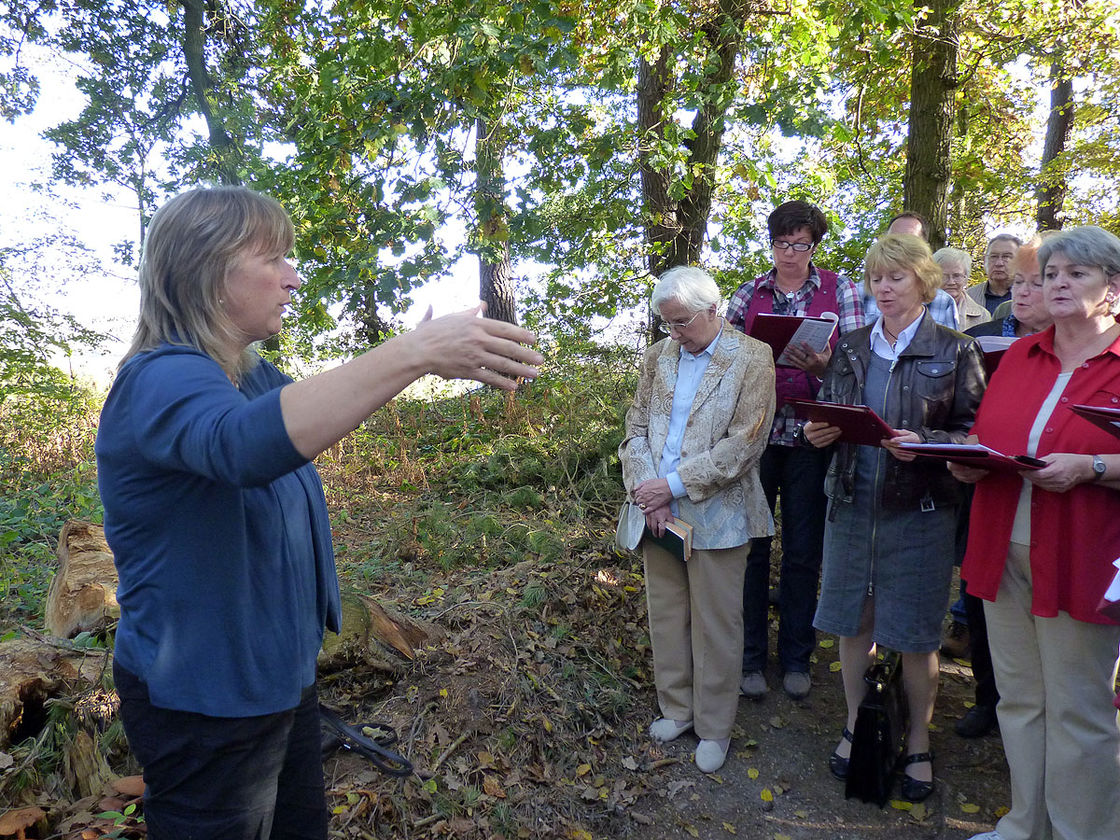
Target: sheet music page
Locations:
point(813, 331)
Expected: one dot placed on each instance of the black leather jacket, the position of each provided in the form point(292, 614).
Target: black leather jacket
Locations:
point(934, 390)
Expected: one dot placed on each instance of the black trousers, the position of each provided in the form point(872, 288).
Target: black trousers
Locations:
point(211, 778)
point(986, 692)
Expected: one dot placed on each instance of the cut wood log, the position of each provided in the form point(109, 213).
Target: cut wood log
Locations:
point(83, 593)
point(82, 596)
point(375, 635)
point(87, 771)
point(33, 671)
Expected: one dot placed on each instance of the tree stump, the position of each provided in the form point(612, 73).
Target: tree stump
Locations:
point(83, 593)
point(374, 635)
point(32, 672)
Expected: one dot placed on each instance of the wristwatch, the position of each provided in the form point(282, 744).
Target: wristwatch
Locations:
point(1099, 467)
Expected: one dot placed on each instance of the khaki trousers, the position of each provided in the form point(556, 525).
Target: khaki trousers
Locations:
point(696, 627)
point(1059, 727)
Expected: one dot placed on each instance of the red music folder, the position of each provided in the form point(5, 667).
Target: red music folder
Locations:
point(974, 455)
point(857, 423)
point(1099, 415)
point(779, 331)
point(993, 347)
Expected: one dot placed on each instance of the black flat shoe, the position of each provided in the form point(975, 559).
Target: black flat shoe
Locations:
point(977, 722)
point(915, 790)
point(836, 762)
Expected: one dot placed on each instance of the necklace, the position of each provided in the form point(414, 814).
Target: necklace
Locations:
point(891, 337)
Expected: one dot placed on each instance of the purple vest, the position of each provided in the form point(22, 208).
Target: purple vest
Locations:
point(791, 381)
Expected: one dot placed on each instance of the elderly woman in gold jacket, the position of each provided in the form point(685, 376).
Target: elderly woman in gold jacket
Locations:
point(694, 435)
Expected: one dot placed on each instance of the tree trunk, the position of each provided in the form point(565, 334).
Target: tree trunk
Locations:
point(495, 270)
point(676, 227)
point(933, 82)
point(1052, 186)
point(226, 153)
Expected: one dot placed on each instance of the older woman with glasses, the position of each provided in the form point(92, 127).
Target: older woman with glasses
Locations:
point(694, 436)
point(794, 286)
point(1043, 558)
point(956, 266)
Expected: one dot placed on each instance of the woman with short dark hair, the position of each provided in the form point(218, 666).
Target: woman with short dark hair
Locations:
point(794, 286)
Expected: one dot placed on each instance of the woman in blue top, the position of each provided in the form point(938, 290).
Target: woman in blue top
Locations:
point(217, 519)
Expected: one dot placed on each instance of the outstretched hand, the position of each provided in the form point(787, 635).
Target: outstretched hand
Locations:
point(465, 346)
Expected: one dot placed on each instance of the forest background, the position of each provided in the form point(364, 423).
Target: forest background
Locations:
point(574, 149)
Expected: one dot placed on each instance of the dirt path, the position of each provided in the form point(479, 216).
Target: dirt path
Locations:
point(781, 750)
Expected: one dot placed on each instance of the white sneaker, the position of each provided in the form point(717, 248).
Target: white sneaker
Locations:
point(797, 684)
point(710, 755)
point(664, 730)
point(987, 835)
point(753, 685)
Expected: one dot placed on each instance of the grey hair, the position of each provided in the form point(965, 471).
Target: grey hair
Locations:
point(953, 255)
point(1003, 237)
point(1086, 245)
point(192, 244)
point(690, 286)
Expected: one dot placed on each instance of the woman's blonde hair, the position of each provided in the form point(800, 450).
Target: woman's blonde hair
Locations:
point(191, 246)
point(905, 251)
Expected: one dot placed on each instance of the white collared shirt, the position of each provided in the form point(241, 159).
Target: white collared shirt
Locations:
point(882, 348)
point(690, 371)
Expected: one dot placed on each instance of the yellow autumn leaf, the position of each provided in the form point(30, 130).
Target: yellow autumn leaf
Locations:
point(583, 770)
point(579, 834)
point(969, 808)
point(691, 829)
point(546, 723)
point(1002, 810)
point(491, 787)
point(834, 666)
point(901, 805)
point(766, 795)
point(782, 837)
point(729, 828)
point(826, 643)
point(752, 772)
point(443, 692)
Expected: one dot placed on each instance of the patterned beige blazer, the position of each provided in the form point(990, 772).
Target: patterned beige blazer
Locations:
point(727, 430)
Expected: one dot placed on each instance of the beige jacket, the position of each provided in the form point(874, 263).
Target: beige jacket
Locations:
point(970, 313)
point(727, 431)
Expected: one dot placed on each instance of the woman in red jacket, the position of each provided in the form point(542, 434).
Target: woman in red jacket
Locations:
point(1042, 557)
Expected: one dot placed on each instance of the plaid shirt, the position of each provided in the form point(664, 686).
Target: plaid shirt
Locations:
point(850, 305)
point(943, 309)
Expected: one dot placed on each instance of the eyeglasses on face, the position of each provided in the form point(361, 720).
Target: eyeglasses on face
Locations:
point(800, 247)
point(667, 326)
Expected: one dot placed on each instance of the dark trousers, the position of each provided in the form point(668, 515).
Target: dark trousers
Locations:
point(797, 473)
point(986, 692)
point(210, 778)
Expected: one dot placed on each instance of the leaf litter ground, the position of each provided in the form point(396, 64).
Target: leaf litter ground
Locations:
point(528, 720)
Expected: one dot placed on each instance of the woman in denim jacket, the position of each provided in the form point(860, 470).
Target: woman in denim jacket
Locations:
point(888, 553)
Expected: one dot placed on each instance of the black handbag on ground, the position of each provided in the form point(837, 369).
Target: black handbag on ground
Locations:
point(336, 734)
point(880, 731)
